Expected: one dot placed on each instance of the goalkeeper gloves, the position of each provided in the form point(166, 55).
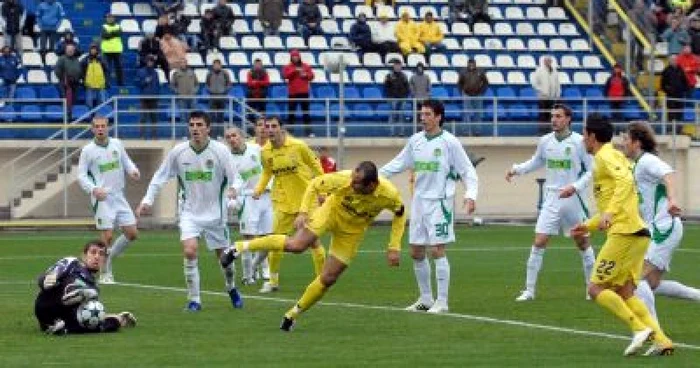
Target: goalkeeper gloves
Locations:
point(78, 293)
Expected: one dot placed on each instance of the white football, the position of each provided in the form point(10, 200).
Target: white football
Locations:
point(90, 314)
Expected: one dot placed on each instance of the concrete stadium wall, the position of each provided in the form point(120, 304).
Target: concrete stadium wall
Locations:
point(497, 198)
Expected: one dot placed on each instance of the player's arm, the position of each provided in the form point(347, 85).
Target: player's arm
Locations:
point(54, 274)
point(128, 164)
point(309, 158)
point(398, 226)
point(325, 184)
point(400, 163)
point(232, 173)
point(162, 175)
point(535, 162)
point(86, 182)
point(669, 181)
point(466, 171)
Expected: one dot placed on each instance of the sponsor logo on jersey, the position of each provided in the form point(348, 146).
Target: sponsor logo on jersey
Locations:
point(108, 166)
point(564, 164)
point(284, 170)
point(567, 151)
point(247, 174)
point(198, 175)
point(426, 166)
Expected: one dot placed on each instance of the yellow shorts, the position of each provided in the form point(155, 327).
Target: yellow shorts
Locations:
point(620, 260)
point(345, 240)
point(283, 223)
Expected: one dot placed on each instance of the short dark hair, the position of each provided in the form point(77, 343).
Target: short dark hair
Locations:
point(437, 107)
point(370, 175)
point(600, 126)
point(641, 131)
point(276, 118)
point(94, 243)
point(199, 114)
point(563, 107)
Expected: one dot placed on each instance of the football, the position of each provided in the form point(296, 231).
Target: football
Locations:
point(91, 314)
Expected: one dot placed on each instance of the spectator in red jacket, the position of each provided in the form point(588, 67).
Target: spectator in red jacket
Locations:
point(617, 87)
point(298, 76)
point(257, 82)
point(327, 162)
point(688, 61)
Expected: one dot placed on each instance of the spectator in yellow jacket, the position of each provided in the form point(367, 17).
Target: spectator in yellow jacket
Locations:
point(380, 2)
point(408, 35)
point(431, 34)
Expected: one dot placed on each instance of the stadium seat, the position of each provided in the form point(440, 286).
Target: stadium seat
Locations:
point(505, 61)
point(325, 92)
point(263, 56)
point(439, 93)
point(449, 77)
point(133, 42)
point(372, 59)
point(579, 44)
point(130, 26)
point(27, 43)
point(240, 26)
point(386, 10)
point(471, 43)
point(361, 76)
point(80, 111)
point(330, 27)
point(37, 77)
point(380, 76)
point(48, 92)
point(558, 45)
point(592, 62)
point(495, 77)
point(514, 13)
point(581, 77)
point(190, 10)
point(273, 43)
point(318, 43)
point(460, 60)
point(251, 10)
point(250, 42)
point(537, 44)
point(482, 29)
point(406, 9)
point(335, 77)
point(546, 29)
point(534, 13)
point(414, 59)
point(526, 61)
point(228, 43)
point(120, 9)
point(515, 44)
point(53, 113)
point(601, 77)
point(320, 76)
point(282, 58)
point(364, 9)
point(564, 78)
point(516, 77)
point(25, 93)
point(32, 59)
point(556, 13)
point(568, 29)
point(503, 29)
point(143, 10)
point(451, 44)
point(296, 42)
point(194, 60)
point(493, 44)
point(439, 61)
point(524, 29)
point(569, 62)
point(342, 11)
point(483, 61)
point(460, 29)
point(50, 59)
point(372, 93)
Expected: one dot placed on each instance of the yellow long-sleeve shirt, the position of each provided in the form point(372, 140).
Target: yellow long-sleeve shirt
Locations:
point(407, 31)
point(615, 192)
point(293, 165)
point(430, 32)
point(357, 211)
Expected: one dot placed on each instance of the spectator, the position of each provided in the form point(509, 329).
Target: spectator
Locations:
point(223, 17)
point(431, 34)
point(95, 77)
point(477, 11)
point(545, 81)
point(67, 39)
point(112, 46)
point(420, 85)
point(165, 7)
point(328, 163)
point(676, 36)
point(472, 84)
point(149, 86)
point(298, 76)
point(30, 7)
point(10, 71)
point(361, 35)
point(179, 28)
point(661, 18)
point(309, 19)
point(380, 2)
point(210, 34)
point(675, 85)
point(257, 82)
point(149, 48)
point(13, 16)
point(163, 26)
point(384, 36)
point(687, 61)
point(617, 88)
point(397, 89)
point(218, 84)
point(694, 34)
point(270, 14)
point(184, 83)
point(174, 50)
point(49, 16)
point(408, 35)
point(68, 72)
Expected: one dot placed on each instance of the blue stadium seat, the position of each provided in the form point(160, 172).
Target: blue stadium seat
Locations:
point(237, 92)
point(279, 92)
point(372, 93)
point(48, 92)
point(439, 92)
point(30, 113)
point(324, 92)
point(53, 113)
point(25, 93)
point(80, 110)
point(351, 92)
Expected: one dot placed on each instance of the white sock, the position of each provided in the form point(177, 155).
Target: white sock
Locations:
point(588, 260)
point(247, 265)
point(534, 263)
point(118, 248)
point(422, 270)
point(644, 292)
point(192, 280)
point(675, 289)
point(442, 274)
point(261, 261)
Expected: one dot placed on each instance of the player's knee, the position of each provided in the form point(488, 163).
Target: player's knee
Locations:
point(110, 324)
point(132, 235)
point(418, 253)
point(328, 279)
point(295, 245)
point(437, 252)
point(190, 253)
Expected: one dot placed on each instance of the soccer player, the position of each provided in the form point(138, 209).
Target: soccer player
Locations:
point(254, 216)
point(659, 209)
point(567, 170)
point(351, 201)
point(101, 169)
point(292, 164)
point(204, 170)
point(67, 284)
point(437, 159)
point(618, 266)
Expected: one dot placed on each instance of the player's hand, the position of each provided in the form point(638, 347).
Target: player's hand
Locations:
point(135, 175)
point(49, 280)
point(301, 220)
point(99, 193)
point(256, 195)
point(469, 205)
point(605, 221)
point(579, 230)
point(509, 175)
point(231, 193)
point(393, 257)
point(77, 293)
point(143, 209)
point(673, 208)
point(567, 191)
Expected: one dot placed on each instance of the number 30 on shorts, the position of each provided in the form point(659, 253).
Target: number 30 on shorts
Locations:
point(442, 230)
point(605, 267)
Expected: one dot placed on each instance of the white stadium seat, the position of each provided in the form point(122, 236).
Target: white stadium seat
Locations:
point(449, 77)
point(238, 58)
point(569, 62)
point(505, 61)
point(592, 62)
point(495, 77)
point(546, 29)
point(143, 10)
point(515, 44)
point(527, 61)
point(514, 13)
point(120, 9)
point(263, 56)
point(516, 77)
point(582, 78)
point(524, 29)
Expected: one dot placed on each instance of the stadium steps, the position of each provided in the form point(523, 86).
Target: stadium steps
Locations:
point(32, 199)
point(5, 212)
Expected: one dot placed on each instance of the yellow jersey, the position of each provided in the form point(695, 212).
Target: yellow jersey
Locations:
point(293, 165)
point(357, 211)
point(615, 192)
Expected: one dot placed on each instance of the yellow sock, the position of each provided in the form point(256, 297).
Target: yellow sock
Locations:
point(614, 303)
point(318, 256)
point(314, 292)
point(274, 258)
point(269, 242)
point(640, 310)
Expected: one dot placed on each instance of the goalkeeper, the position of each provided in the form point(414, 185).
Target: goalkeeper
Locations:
point(67, 284)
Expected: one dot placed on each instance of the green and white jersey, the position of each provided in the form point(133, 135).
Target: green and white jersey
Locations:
point(438, 162)
point(103, 166)
point(566, 162)
point(204, 178)
point(649, 172)
point(249, 166)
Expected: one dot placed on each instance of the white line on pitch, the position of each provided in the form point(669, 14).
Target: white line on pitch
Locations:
point(472, 317)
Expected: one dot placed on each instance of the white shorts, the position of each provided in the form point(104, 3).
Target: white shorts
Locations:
point(113, 211)
point(560, 215)
point(662, 246)
point(432, 221)
point(215, 235)
point(255, 216)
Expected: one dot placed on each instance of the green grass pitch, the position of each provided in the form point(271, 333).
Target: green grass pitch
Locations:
point(358, 323)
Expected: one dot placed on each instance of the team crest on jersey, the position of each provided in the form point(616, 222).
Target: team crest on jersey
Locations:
point(209, 164)
point(115, 154)
point(437, 152)
point(567, 151)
